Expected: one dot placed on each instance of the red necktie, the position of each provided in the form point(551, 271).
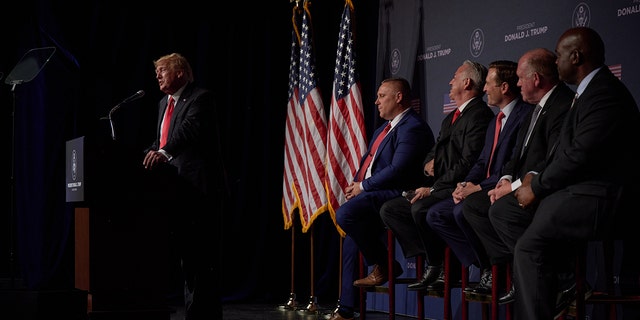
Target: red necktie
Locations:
point(455, 116)
point(372, 152)
point(166, 121)
point(496, 134)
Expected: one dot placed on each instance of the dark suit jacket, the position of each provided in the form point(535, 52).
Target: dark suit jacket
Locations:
point(458, 145)
point(544, 134)
point(504, 147)
point(396, 165)
point(594, 144)
point(193, 140)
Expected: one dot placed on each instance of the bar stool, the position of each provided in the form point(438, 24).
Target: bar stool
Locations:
point(606, 240)
point(390, 287)
point(495, 293)
point(448, 286)
point(608, 296)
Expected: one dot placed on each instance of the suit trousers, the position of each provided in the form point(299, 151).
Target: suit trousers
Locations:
point(563, 222)
point(366, 234)
point(446, 218)
point(409, 225)
point(476, 211)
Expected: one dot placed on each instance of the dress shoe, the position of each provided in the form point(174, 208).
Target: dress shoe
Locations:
point(337, 316)
point(378, 276)
point(484, 286)
point(437, 285)
point(588, 292)
point(429, 276)
point(508, 297)
point(567, 297)
point(563, 301)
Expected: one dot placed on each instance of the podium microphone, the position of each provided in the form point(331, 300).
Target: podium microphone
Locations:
point(133, 97)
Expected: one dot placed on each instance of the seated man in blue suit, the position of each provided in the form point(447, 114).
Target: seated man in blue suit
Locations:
point(391, 165)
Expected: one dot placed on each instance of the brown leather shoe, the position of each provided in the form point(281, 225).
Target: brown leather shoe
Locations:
point(377, 277)
point(337, 316)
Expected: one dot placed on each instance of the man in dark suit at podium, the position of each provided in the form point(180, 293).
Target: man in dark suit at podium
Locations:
point(187, 145)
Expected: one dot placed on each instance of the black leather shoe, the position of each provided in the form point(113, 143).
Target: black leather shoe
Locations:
point(484, 286)
point(508, 297)
point(564, 300)
point(429, 276)
point(437, 285)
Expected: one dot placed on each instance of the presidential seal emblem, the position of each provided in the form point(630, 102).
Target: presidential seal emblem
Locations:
point(395, 61)
point(476, 43)
point(581, 15)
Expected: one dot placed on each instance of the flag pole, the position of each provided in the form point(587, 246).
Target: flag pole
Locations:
point(291, 304)
point(339, 277)
point(312, 306)
point(293, 103)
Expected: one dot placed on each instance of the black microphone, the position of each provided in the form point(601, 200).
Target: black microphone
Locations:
point(135, 96)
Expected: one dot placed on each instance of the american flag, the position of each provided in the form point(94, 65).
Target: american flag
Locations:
point(347, 135)
point(293, 163)
point(309, 134)
point(616, 69)
point(448, 105)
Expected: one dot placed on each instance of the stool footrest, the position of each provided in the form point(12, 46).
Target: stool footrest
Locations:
point(474, 297)
point(377, 289)
point(603, 297)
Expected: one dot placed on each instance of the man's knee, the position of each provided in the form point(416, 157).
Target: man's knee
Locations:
point(386, 211)
point(418, 214)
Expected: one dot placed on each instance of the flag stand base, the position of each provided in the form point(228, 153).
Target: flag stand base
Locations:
point(312, 307)
point(292, 304)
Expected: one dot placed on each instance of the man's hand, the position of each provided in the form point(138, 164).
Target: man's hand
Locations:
point(153, 158)
point(525, 194)
point(428, 168)
point(353, 190)
point(464, 189)
point(502, 187)
point(420, 193)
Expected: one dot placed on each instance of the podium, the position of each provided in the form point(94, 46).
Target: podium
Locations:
point(122, 236)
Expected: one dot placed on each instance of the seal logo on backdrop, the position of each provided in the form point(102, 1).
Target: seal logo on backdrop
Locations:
point(581, 15)
point(476, 43)
point(395, 61)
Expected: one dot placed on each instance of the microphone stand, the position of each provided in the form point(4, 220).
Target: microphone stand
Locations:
point(108, 117)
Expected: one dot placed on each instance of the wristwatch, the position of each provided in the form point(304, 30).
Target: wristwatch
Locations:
point(431, 190)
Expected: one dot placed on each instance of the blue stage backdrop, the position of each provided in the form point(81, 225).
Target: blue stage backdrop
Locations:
point(425, 41)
